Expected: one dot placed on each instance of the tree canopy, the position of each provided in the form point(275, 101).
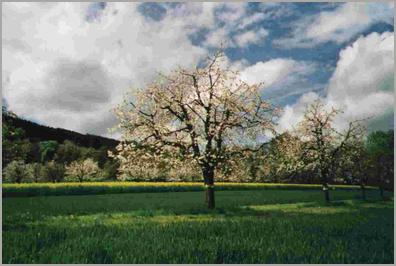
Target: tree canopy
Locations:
point(199, 115)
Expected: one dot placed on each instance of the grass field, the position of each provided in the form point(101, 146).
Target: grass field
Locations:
point(255, 226)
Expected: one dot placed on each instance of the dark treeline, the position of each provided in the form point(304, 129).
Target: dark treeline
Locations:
point(36, 153)
point(35, 133)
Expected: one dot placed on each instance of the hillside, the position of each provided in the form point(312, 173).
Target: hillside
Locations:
point(35, 132)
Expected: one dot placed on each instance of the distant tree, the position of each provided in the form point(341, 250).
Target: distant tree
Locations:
point(88, 152)
point(82, 170)
point(241, 166)
point(14, 145)
point(17, 172)
point(110, 169)
point(286, 157)
point(48, 149)
point(34, 155)
point(195, 116)
point(15, 150)
point(53, 172)
point(380, 148)
point(68, 152)
point(35, 170)
point(355, 161)
point(253, 163)
point(101, 156)
point(12, 133)
point(323, 144)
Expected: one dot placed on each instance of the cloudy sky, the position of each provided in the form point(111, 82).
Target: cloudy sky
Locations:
point(67, 64)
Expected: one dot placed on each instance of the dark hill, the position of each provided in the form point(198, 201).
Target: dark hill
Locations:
point(35, 132)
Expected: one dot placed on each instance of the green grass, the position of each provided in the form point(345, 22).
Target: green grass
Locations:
point(257, 226)
point(95, 188)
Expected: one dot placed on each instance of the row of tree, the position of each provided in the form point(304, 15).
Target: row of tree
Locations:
point(83, 170)
point(24, 160)
point(315, 152)
point(205, 123)
point(209, 121)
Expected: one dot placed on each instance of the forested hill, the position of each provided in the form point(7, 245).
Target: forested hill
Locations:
point(35, 133)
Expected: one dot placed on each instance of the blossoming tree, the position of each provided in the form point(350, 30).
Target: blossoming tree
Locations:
point(198, 117)
point(325, 146)
point(82, 170)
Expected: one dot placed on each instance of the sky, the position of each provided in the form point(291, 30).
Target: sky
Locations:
point(68, 64)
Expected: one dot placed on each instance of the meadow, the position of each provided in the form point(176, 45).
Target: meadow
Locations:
point(274, 225)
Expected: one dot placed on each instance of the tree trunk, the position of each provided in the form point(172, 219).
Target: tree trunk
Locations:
point(362, 179)
point(381, 188)
point(208, 174)
point(325, 188)
point(325, 185)
point(363, 190)
point(381, 185)
point(381, 177)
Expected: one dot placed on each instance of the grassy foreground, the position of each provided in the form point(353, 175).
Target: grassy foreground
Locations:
point(257, 226)
point(95, 188)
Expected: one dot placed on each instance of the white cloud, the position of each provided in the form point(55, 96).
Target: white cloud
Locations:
point(250, 37)
point(339, 25)
point(252, 19)
point(62, 70)
point(363, 80)
point(44, 43)
point(232, 27)
point(292, 115)
point(362, 84)
point(192, 15)
point(232, 12)
point(275, 71)
point(217, 38)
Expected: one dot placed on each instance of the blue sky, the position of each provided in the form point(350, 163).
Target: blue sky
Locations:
point(300, 50)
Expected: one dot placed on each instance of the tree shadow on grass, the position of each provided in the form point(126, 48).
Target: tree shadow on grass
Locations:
point(348, 226)
point(264, 204)
point(202, 214)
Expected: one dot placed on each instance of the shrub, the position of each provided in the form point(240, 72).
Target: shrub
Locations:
point(48, 149)
point(17, 172)
point(53, 172)
point(82, 170)
point(36, 171)
point(68, 152)
point(110, 170)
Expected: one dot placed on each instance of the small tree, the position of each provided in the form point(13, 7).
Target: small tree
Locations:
point(380, 149)
point(323, 144)
point(82, 170)
point(53, 172)
point(194, 116)
point(286, 157)
point(48, 149)
point(356, 161)
point(68, 152)
point(35, 170)
point(14, 145)
point(17, 172)
point(110, 169)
